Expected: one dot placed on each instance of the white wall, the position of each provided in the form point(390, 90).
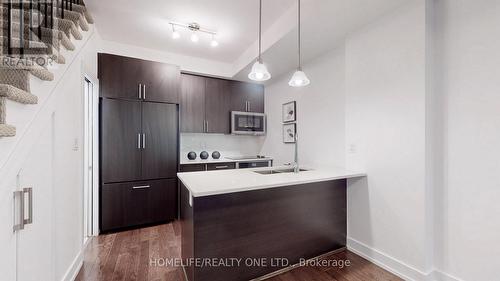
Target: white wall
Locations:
point(467, 217)
point(320, 114)
point(60, 202)
point(385, 136)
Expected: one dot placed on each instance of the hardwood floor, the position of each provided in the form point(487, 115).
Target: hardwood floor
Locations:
point(126, 256)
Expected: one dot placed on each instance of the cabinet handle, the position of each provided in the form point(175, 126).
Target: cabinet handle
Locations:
point(143, 141)
point(207, 127)
point(246, 106)
point(221, 167)
point(249, 107)
point(29, 190)
point(140, 91)
point(141, 187)
point(144, 92)
point(20, 225)
point(138, 141)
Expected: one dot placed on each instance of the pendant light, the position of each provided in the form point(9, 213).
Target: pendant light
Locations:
point(299, 78)
point(259, 70)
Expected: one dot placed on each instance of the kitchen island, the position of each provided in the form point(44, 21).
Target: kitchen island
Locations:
point(244, 224)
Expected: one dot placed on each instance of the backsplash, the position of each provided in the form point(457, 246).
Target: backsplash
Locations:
point(227, 145)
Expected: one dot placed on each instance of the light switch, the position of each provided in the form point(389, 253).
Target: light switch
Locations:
point(76, 145)
point(353, 148)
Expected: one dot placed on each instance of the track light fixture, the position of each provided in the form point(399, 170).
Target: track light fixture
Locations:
point(196, 30)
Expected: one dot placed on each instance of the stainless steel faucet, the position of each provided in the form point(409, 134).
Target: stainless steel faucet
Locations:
point(296, 168)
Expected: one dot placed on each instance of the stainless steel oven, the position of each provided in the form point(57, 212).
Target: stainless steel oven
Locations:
point(248, 123)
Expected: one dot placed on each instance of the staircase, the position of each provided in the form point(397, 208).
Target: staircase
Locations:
point(32, 35)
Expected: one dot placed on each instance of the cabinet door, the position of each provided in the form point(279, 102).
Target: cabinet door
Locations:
point(160, 125)
point(193, 168)
point(247, 97)
point(221, 166)
point(217, 106)
point(136, 203)
point(118, 76)
point(238, 96)
point(161, 82)
point(192, 104)
point(255, 97)
point(37, 241)
point(120, 140)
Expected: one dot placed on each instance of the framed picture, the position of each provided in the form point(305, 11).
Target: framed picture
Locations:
point(289, 112)
point(289, 131)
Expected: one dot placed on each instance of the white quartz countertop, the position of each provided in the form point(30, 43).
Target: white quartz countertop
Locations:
point(221, 160)
point(239, 180)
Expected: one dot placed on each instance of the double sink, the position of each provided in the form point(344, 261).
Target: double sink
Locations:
point(278, 171)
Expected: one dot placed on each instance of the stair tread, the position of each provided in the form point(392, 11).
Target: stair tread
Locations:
point(14, 71)
point(35, 69)
point(16, 94)
point(7, 130)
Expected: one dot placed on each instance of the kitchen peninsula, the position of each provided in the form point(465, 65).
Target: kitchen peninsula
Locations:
point(261, 214)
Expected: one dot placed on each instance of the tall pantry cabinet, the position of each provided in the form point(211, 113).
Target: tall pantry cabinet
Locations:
point(139, 141)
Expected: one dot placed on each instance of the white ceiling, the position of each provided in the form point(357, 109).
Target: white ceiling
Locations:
point(145, 23)
point(325, 25)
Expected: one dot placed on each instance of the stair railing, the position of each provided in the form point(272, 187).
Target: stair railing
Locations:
point(9, 29)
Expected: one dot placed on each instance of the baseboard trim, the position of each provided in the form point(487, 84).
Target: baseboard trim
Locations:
point(442, 276)
point(77, 264)
point(292, 267)
point(387, 262)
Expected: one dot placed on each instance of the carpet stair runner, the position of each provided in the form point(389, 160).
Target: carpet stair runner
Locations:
point(38, 53)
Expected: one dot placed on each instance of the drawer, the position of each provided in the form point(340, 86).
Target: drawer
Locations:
point(221, 166)
point(193, 167)
point(136, 203)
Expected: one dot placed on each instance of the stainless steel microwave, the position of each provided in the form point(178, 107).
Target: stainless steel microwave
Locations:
point(248, 123)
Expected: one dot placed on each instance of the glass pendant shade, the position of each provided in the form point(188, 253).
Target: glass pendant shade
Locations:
point(299, 79)
point(259, 72)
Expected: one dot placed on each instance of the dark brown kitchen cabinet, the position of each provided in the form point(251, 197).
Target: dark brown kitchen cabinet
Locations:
point(119, 76)
point(192, 104)
point(138, 203)
point(160, 124)
point(206, 103)
point(161, 82)
point(246, 97)
point(139, 140)
point(217, 106)
point(193, 167)
point(136, 79)
point(121, 153)
point(221, 166)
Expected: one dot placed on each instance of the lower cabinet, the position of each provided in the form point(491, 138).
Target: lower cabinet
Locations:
point(220, 166)
point(207, 167)
point(137, 203)
point(193, 168)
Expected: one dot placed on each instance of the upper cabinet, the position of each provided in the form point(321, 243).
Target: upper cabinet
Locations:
point(247, 97)
point(206, 103)
point(192, 104)
point(217, 106)
point(135, 79)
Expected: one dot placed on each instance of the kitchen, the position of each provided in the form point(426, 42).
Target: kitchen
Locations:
point(234, 140)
